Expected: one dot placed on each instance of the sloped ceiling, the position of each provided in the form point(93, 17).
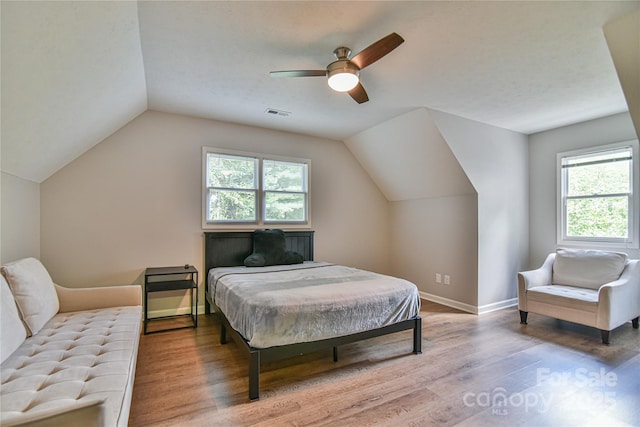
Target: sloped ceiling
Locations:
point(623, 39)
point(74, 72)
point(408, 159)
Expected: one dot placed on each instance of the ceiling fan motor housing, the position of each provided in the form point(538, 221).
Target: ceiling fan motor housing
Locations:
point(345, 71)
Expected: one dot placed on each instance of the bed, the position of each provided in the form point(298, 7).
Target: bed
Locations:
point(270, 315)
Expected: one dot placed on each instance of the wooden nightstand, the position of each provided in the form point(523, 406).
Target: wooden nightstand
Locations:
point(160, 279)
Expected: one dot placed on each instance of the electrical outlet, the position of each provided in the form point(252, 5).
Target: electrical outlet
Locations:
point(438, 278)
point(447, 279)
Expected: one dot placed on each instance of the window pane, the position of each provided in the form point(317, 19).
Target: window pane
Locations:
point(285, 207)
point(285, 176)
point(599, 178)
point(227, 205)
point(598, 217)
point(231, 171)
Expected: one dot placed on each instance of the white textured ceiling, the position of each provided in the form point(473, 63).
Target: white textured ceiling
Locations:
point(73, 72)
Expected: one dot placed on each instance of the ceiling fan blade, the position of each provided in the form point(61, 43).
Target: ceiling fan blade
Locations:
point(377, 50)
point(359, 94)
point(299, 73)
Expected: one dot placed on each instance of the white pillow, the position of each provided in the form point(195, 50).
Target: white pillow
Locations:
point(33, 291)
point(12, 331)
point(587, 268)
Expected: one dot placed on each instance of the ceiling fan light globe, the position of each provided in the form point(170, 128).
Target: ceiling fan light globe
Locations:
point(343, 81)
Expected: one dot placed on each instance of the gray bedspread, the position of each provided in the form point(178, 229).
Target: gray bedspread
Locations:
point(279, 305)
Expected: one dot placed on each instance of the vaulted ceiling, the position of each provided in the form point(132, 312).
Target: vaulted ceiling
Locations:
point(75, 72)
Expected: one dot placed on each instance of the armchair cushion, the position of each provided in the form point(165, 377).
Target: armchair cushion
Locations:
point(565, 296)
point(587, 268)
point(33, 291)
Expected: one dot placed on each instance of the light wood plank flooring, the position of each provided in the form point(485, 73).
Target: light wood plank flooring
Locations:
point(474, 371)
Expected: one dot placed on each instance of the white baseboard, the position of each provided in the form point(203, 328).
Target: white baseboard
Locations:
point(449, 302)
point(468, 307)
point(497, 306)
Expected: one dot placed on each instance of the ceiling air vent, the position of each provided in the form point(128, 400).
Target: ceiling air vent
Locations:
point(275, 112)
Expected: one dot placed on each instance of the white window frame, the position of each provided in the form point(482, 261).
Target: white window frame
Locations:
point(261, 200)
point(634, 203)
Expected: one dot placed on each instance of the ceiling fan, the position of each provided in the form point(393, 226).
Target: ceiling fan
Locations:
point(343, 74)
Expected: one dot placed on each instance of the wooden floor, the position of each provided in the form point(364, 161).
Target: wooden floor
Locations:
point(474, 371)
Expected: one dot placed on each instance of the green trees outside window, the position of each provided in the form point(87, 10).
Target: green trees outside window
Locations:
point(285, 185)
point(234, 192)
point(597, 194)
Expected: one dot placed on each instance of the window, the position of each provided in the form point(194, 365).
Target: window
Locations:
point(285, 191)
point(253, 189)
point(598, 203)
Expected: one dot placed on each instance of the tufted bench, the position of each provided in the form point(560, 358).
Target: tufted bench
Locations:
point(78, 367)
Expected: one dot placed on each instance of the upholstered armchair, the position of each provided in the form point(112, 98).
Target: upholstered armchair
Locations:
point(595, 288)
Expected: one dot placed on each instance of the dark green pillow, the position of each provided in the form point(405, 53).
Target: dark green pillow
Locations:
point(269, 249)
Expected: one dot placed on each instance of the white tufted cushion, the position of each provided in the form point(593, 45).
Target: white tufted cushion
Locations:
point(587, 268)
point(12, 331)
point(33, 291)
point(565, 296)
point(76, 357)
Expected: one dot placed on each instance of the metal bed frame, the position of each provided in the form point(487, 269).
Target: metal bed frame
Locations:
point(228, 249)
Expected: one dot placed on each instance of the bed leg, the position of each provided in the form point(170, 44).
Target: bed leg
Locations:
point(223, 333)
point(417, 336)
point(207, 306)
point(254, 375)
point(335, 354)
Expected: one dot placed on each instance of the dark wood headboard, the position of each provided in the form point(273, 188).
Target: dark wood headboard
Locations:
point(229, 249)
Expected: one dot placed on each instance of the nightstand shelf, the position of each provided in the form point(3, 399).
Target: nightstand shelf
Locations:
point(162, 279)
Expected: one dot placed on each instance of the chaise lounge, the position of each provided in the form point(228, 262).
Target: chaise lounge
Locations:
point(68, 355)
point(594, 288)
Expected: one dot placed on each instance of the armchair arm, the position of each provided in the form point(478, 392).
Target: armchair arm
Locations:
point(532, 278)
point(619, 301)
point(76, 299)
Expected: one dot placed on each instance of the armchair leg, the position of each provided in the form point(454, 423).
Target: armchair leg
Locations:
point(634, 322)
point(523, 317)
point(605, 336)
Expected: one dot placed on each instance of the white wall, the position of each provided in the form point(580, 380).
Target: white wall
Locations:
point(438, 235)
point(134, 201)
point(543, 148)
point(433, 205)
point(408, 158)
point(495, 160)
point(459, 192)
point(20, 219)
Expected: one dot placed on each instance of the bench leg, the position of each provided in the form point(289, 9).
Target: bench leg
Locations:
point(335, 354)
point(605, 336)
point(634, 322)
point(523, 317)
